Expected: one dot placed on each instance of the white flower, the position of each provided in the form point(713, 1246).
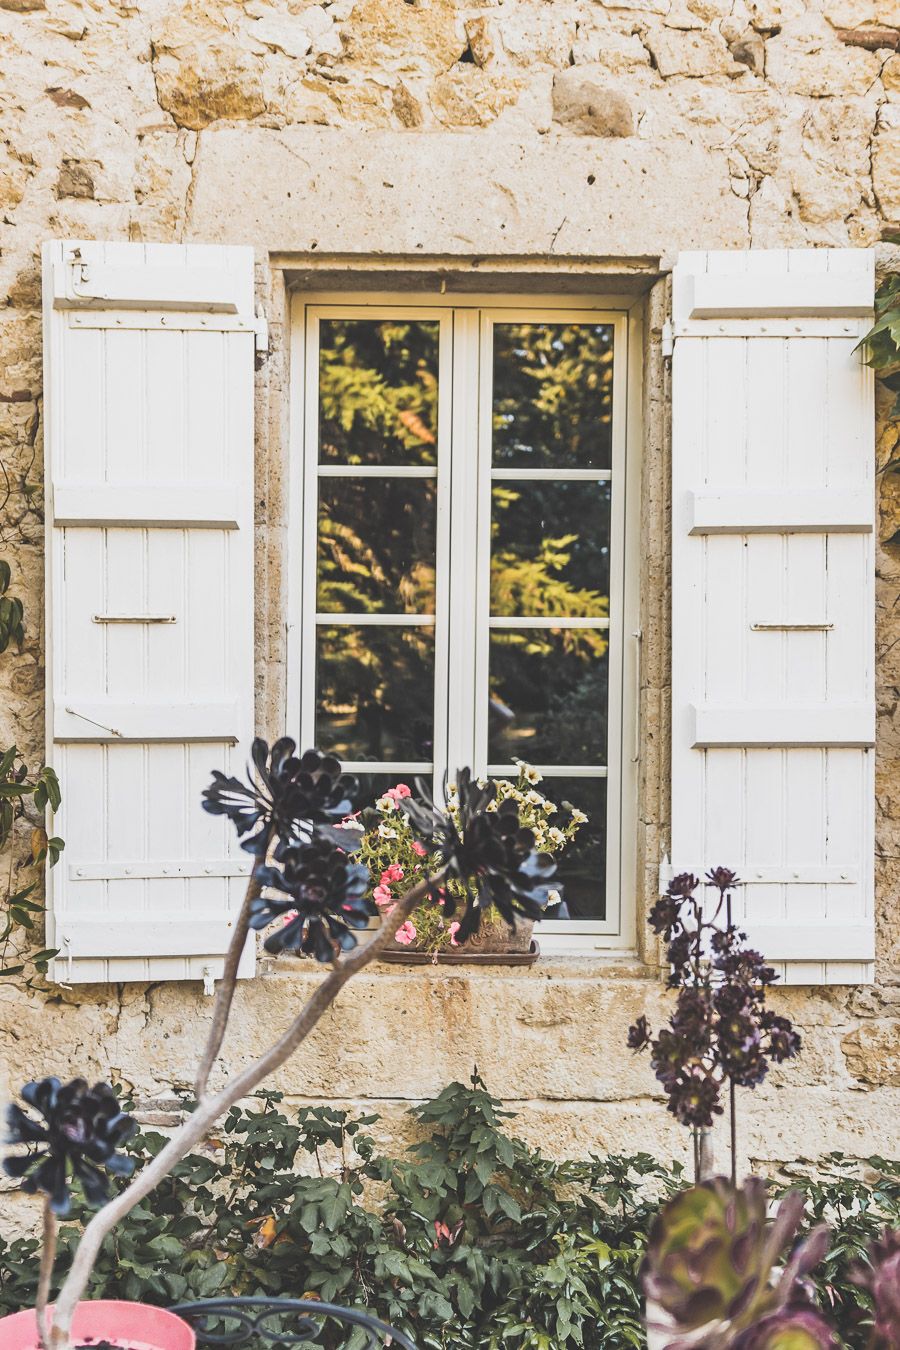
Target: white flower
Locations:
point(549, 808)
point(352, 825)
point(531, 774)
point(539, 840)
point(578, 817)
point(553, 897)
point(533, 798)
point(385, 832)
point(482, 782)
point(556, 836)
point(492, 805)
point(386, 803)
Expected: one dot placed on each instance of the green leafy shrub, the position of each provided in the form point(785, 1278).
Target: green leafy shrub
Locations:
point(470, 1239)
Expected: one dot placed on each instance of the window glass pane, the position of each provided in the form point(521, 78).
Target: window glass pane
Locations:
point(553, 395)
point(376, 546)
point(374, 785)
point(378, 391)
point(375, 692)
point(550, 549)
point(548, 695)
point(581, 873)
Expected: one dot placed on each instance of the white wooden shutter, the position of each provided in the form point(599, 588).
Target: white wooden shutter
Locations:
point(148, 365)
point(773, 597)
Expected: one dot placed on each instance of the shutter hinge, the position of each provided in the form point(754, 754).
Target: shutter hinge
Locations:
point(667, 343)
point(261, 327)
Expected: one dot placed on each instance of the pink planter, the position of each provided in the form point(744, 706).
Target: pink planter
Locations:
point(131, 1326)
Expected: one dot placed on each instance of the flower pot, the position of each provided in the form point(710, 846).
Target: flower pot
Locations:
point(495, 942)
point(127, 1326)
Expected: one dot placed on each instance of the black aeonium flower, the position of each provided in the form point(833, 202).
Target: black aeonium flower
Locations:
point(482, 844)
point(81, 1130)
point(289, 796)
point(322, 897)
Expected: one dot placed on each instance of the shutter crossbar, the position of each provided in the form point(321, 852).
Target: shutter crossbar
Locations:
point(779, 725)
point(823, 511)
point(92, 505)
point(145, 871)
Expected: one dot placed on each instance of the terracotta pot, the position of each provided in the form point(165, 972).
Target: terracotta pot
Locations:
point(131, 1326)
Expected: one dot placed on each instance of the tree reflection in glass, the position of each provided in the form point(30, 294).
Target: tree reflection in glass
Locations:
point(549, 691)
point(378, 391)
point(376, 546)
point(553, 395)
point(550, 549)
point(375, 692)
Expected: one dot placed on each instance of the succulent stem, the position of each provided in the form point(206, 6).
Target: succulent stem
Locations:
point(210, 1108)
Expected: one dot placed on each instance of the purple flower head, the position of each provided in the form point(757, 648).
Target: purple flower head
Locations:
point(82, 1129)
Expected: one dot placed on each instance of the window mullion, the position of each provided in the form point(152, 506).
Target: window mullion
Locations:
point(460, 745)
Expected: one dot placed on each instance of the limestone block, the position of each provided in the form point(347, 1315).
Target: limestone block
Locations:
point(23, 6)
point(617, 52)
point(856, 13)
point(286, 35)
point(536, 34)
point(584, 104)
point(382, 35)
point(14, 177)
point(807, 57)
point(768, 16)
point(484, 40)
point(406, 107)
point(470, 97)
point(635, 204)
point(886, 173)
point(873, 1052)
point(890, 75)
point(695, 54)
point(750, 50)
point(76, 178)
point(202, 71)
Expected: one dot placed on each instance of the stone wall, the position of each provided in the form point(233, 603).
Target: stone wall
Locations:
point(566, 140)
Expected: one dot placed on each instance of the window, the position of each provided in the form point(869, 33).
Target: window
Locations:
point(462, 562)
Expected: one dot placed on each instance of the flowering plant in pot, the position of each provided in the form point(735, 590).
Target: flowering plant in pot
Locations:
point(311, 893)
point(393, 853)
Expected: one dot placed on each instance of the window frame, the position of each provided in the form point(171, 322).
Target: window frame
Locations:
point(463, 484)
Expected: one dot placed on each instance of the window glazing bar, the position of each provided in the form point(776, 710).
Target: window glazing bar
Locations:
point(377, 471)
point(554, 475)
point(553, 622)
point(373, 620)
point(551, 770)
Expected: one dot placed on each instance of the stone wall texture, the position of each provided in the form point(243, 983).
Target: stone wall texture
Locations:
point(564, 138)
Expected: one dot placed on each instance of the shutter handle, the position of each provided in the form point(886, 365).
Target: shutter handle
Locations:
point(638, 648)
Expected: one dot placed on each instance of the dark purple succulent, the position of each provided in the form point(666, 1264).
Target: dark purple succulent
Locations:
point(881, 1277)
point(720, 1032)
point(717, 1268)
point(289, 797)
point(321, 897)
point(487, 850)
point(81, 1130)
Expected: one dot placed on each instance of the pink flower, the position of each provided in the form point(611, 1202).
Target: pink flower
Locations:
point(382, 896)
point(418, 849)
point(392, 873)
point(454, 929)
point(406, 934)
point(398, 792)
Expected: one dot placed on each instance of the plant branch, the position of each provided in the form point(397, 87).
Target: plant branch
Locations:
point(48, 1259)
point(225, 990)
point(208, 1110)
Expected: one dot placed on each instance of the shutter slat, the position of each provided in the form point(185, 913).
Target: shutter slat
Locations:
point(773, 716)
point(149, 451)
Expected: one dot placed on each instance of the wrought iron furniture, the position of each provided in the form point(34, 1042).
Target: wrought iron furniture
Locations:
point(261, 1322)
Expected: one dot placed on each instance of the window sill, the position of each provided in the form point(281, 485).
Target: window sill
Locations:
point(573, 965)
